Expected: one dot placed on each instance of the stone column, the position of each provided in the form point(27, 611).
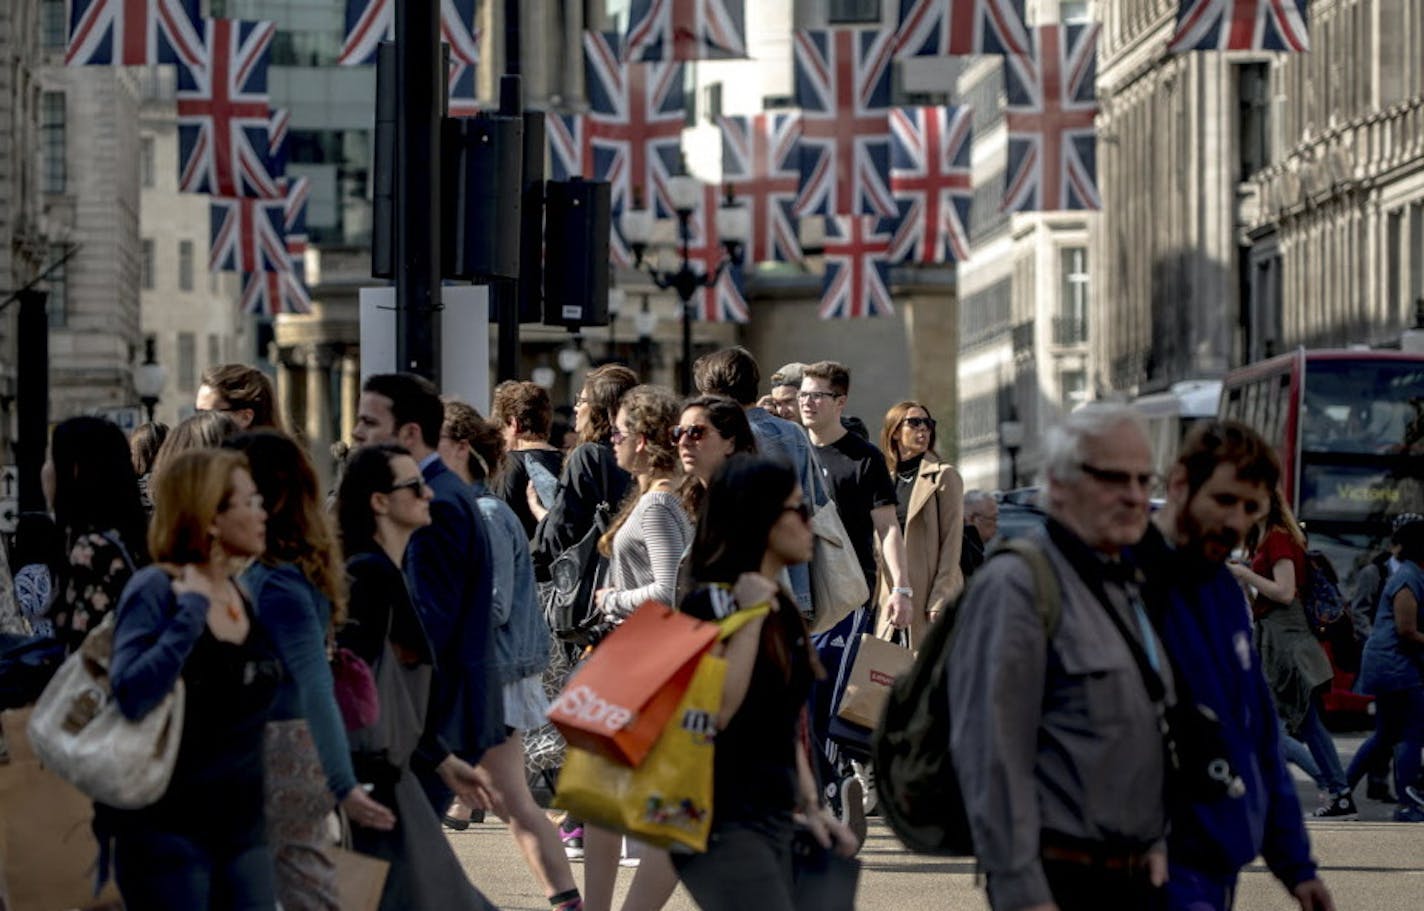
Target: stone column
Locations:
point(318, 423)
point(350, 393)
point(283, 389)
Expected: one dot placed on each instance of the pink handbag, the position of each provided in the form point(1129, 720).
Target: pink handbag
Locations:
point(355, 687)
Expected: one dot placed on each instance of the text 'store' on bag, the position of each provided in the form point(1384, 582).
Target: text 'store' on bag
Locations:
point(915, 780)
point(667, 798)
point(618, 702)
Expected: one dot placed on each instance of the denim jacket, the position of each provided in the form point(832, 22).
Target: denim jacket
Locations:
point(521, 638)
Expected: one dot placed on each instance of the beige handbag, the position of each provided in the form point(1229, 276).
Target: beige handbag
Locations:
point(78, 732)
point(360, 878)
point(837, 581)
point(877, 664)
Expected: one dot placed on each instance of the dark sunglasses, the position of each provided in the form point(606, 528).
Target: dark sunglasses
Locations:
point(1113, 477)
point(695, 433)
point(802, 509)
point(918, 422)
point(414, 485)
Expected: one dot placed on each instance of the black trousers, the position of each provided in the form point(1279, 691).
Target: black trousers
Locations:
point(1082, 887)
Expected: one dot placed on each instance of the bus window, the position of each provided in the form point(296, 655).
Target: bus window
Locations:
point(1364, 407)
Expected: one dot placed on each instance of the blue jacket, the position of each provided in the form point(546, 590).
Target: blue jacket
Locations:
point(449, 566)
point(296, 615)
point(1205, 625)
point(521, 638)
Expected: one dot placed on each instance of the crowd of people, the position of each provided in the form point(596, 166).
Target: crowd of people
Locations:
point(1081, 746)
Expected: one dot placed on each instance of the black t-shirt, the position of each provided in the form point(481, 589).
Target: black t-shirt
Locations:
point(859, 481)
point(512, 485)
point(755, 760)
point(906, 473)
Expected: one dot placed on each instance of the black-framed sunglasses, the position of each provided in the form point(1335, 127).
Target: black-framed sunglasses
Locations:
point(1114, 477)
point(919, 422)
point(694, 433)
point(802, 509)
point(414, 485)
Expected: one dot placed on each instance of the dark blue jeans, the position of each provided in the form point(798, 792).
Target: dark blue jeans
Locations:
point(1399, 726)
point(1317, 739)
point(158, 870)
point(747, 864)
point(1193, 890)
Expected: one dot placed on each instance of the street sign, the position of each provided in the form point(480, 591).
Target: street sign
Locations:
point(9, 482)
point(9, 513)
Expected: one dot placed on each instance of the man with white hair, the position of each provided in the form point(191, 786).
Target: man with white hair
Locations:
point(1056, 732)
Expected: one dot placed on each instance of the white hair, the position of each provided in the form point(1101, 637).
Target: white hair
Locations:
point(1064, 442)
point(972, 498)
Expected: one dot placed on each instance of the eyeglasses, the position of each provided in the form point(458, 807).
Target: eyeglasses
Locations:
point(694, 433)
point(802, 509)
point(414, 485)
point(918, 422)
point(1113, 477)
point(817, 397)
point(617, 436)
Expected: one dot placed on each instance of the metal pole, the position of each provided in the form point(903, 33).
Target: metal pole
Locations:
point(421, 83)
point(505, 292)
point(32, 403)
point(686, 291)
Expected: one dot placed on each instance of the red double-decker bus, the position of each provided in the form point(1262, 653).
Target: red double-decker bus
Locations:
point(1349, 428)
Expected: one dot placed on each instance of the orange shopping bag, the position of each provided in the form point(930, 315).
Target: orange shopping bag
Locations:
point(617, 704)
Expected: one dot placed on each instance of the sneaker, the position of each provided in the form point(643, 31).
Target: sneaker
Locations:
point(866, 773)
point(1378, 789)
point(573, 841)
point(1408, 813)
point(853, 807)
point(1341, 806)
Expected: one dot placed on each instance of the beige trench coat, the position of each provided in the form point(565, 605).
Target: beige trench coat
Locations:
point(934, 533)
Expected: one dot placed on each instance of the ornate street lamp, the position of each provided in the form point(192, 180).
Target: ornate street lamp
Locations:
point(1011, 437)
point(733, 225)
point(149, 378)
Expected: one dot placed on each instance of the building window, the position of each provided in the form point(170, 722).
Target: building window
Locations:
point(853, 11)
point(185, 265)
point(52, 137)
point(187, 362)
point(714, 102)
point(1254, 112)
point(1073, 12)
point(1070, 327)
point(1073, 384)
point(58, 281)
point(145, 161)
point(145, 277)
point(214, 349)
point(52, 25)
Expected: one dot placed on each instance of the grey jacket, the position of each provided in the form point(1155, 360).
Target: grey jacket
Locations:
point(1062, 740)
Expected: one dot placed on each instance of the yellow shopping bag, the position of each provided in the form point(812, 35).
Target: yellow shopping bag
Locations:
point(667, 798)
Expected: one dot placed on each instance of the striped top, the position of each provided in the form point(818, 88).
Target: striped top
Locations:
point(646, 551)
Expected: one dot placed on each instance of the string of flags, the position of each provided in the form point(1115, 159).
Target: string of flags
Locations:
point(892, 184)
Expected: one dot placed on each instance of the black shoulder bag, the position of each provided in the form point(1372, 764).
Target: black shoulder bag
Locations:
point(567, 598)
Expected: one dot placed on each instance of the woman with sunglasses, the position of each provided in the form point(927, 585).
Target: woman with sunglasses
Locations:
point(930, 506)
point(644, 544)
point(298, 592)
point(381, 501)
point(712, 429)
point(753, 524)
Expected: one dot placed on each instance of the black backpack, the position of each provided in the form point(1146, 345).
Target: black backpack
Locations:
point(915, 780)
point(574, 576)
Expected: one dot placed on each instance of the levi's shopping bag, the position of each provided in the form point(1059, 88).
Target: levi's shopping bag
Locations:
point(667, 799)
point(622, 697)
point(877, 664)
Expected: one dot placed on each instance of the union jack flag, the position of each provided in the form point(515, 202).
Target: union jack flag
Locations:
point(1052, 162)
point(369, 22)
point(939, 28)
point(930, 175)
point(685, 30)
point(572, 155)
point(132, 32)
point(725, 301)
point(270, 293)
point(760, 165)
point(295, 194)
point(857, 279)
point(224, 122)
point(843, 90)
point(247, 235)
point(278, 127)
point(1241, 25)
point(632, 134)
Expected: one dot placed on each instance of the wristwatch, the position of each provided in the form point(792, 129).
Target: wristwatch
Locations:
point(903, 590)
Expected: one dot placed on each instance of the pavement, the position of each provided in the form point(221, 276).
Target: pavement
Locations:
point(1369, 865)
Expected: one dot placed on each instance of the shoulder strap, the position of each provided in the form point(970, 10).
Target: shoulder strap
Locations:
point(1048, 594)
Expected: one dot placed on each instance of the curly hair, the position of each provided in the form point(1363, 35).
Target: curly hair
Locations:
point(603, 389)
point(653, 412)
point(463, 424)
point(299, 531)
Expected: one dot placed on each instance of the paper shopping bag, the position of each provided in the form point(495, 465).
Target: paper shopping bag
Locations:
point(50, 856)
point(360, 878)
point(618, 702)
point(667, 799)
point(877, 664)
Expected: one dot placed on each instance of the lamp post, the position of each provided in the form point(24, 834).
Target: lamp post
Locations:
point(149, 378)
point(571, 358)
point(617, 299)
point(732, 224)
point(1011, 437)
